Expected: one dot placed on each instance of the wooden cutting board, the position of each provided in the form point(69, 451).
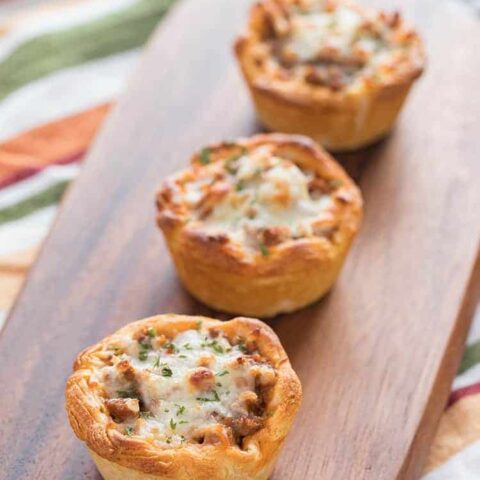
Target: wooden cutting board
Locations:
point(376, 357)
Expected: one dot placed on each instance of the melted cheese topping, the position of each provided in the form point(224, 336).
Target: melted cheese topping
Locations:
point(336, 45)
point(314, 31)
point(257, 199)
point(195, 388)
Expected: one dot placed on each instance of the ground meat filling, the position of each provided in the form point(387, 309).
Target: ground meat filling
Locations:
point(256, 198)
point(198, 387)
point(331, 44)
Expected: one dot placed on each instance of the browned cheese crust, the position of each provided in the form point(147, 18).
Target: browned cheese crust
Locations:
point(346, 94)
point(288, 261)
point(122, 442)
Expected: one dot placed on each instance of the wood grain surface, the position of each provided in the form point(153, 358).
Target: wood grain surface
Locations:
point(376, 357)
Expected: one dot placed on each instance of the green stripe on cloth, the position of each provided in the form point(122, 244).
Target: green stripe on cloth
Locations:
point(114, 33)
point(29, 205)
point(471, 357)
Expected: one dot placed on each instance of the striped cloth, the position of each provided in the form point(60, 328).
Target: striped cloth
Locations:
point(61, 66)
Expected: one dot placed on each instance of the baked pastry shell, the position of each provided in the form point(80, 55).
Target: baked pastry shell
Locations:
point(119, 457)
point(338, 120)
point(295, 274)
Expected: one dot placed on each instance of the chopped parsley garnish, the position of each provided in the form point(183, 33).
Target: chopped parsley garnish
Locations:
point(180, 409)
point(168, 440)
point(156, 363)
point(241, 346)
point(171, 347)
point(187, 346)
point(182, 422)
point(129, 431)
point(166, 410)
point(221, 374)
point(144, 346)
point(240, 185)
point(116, 350)
point(173, 424)
point(146, 414)
point(182, 356)
point(129, 393)
point(205, 156)
point(264, 250)
point(151, 332)
point(215, 398)
point(218, 384)
point(166, 372)
point(216, 346)
point(199, 324)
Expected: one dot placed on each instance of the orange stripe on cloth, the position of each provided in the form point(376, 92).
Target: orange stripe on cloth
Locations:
point(459, 428)
point(59, 142)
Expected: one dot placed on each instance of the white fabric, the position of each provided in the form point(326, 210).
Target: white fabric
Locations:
point(26, 232)
point(64, 93)
point(463, 466)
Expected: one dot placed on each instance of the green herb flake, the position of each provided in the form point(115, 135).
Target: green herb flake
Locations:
point(205, 156)
point(151, 332)
point(173, 424)
point(129, 393)
point(215, 398)
point(241, 346)
point(187, 346)
point(116, 350)
point(239, 186)
point(221, 374)
point(168, 440)
point(171, 347)
point(166, 372)
point(146, 415)
point(180, 409)
point(156, 363)
point(215, 346)
point(199, 324)
point(144, 347)
point(129, 431)
point(182, 422)
point(264, 250)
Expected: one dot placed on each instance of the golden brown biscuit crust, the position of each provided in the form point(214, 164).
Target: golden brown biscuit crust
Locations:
point(295, 272)
point(338, 118)
point(119, 456)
